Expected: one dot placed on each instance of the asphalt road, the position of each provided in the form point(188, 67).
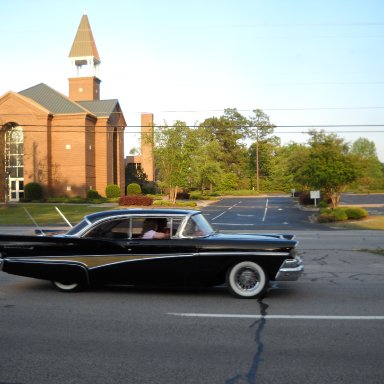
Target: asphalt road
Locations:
point(328, 327)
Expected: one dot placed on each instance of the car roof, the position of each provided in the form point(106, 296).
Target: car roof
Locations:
point(139, 211)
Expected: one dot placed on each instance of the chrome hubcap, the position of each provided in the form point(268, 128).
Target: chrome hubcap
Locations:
point(247, 279)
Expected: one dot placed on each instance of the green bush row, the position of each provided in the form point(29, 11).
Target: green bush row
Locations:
point(328, 215)
point(167, 203)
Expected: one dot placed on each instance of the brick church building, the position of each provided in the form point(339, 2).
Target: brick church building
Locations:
point(67, 144)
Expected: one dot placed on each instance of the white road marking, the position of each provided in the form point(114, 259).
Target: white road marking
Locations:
point(216, 217)
point(234, 224)
point(228, 209)
point(285, 317)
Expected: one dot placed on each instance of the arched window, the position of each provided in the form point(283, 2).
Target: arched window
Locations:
point(14, 161)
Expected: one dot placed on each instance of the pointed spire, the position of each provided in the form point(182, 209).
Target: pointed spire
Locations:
point(84, 43)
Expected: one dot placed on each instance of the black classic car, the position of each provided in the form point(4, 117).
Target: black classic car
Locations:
point(152, 247)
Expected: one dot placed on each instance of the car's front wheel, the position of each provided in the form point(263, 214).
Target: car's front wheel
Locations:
point(65, 287)
point(247, 280)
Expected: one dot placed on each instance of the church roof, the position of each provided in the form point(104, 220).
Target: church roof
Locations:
point(100, 107)
point(84, 43)
point(56, 103)
point(52, 100)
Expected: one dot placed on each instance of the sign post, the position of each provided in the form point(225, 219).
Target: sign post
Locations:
point(315, 195)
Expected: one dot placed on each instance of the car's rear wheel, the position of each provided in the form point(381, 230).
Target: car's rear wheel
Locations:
point(247, 280)
point(66, 287)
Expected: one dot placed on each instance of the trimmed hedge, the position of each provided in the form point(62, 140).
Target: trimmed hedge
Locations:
point(133, 189)
point(33, 191)
point(112, 191)
point(136, 200)
point(356, 213)
point(93, 194)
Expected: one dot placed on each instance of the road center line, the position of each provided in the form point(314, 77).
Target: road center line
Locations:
point(271, 317)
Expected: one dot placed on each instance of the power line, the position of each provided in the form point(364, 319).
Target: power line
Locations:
point(222, 110)
point(62, 128)
point(292, 129)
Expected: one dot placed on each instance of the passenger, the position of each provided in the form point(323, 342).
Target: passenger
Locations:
point(151, 230)
point(162, 225)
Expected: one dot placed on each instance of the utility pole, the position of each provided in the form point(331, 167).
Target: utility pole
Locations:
point(257, 160)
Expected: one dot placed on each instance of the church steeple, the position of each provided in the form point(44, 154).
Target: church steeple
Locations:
point(84, 61)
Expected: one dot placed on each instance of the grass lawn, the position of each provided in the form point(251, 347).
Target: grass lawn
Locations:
point(46, 214)
point(371, 222)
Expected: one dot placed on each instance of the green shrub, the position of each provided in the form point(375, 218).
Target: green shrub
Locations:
point(92, 194)
point(356, 213)
point(325, 218)
point(133, 189)
point(195, 195)
point(167, 203)
point(340, 214)
point(33, 191)
point(163, 203)
point(332, 215)
point(323, 204)
point(112, 191)
point(186, 204)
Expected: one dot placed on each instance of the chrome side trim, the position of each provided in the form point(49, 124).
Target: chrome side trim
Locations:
point(245, 253)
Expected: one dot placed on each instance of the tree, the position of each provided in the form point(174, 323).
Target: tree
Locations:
point(263, 149)
point(286, 166)
point(230, 131)
point(172, 152)
point(329, 166)
point(205, 170)
point(372, 169)
point(135, 174)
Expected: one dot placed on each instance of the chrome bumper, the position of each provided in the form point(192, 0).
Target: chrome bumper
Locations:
point(290, 270)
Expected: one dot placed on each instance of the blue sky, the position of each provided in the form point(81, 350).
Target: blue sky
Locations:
point(304, 63)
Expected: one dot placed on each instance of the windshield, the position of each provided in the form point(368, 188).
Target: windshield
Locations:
point(197, 226)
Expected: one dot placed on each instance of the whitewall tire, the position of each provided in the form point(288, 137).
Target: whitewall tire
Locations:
point(73, 287)
point(247, 280)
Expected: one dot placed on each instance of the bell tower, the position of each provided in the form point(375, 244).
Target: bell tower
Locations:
point(84, 61)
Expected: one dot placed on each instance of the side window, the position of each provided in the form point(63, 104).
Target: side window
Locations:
point(137, 226)
point(166, 225)
point(174, 225)
point(111, 229)
point(155, 228)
